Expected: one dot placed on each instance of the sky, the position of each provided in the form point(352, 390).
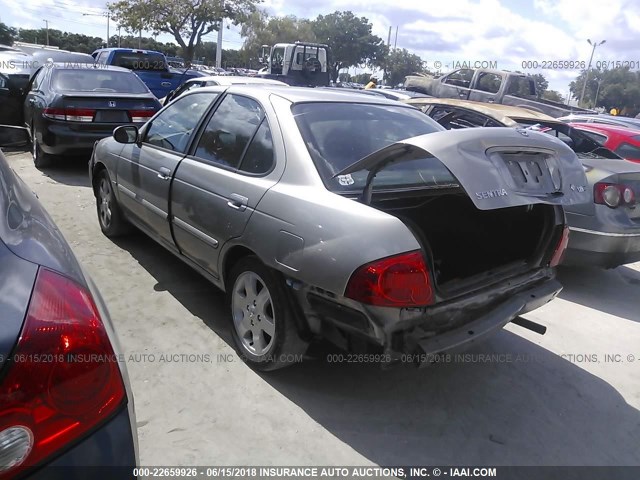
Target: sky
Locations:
point(444, 33)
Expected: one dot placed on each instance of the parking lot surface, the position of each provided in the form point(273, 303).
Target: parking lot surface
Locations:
point(570, 397)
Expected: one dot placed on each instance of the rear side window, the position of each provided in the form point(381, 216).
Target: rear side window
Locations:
point(628, 151)
point(259, 157)
point(230, 129)
point(172, 128)
point(521, 87)
point(39, 78)
point(601, 139)
point(140, 60)
point(97, 80)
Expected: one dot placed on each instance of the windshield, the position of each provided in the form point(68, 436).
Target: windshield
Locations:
point(339, 134)
point(140, 60)
point(99, 80)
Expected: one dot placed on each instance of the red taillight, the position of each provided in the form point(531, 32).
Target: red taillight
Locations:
point(560, 248)
point(70, 114)
point(63, 378)
point(613, 195)
point(139, 116)
point(398, 281)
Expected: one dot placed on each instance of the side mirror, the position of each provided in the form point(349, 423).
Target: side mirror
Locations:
point(126, 134)
point(13, 136)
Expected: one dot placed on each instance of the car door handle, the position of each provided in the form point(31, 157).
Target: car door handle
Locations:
point(164, 173)
point(237, 202)
point(491, 100)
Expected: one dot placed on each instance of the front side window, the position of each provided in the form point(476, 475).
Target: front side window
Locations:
point(173, 127)
point(339, 134)
point(460, 78)
point(230, 129)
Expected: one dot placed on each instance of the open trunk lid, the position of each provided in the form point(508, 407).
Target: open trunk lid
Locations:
point(497, 167)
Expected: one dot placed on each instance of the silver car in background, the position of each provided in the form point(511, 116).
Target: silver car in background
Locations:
point(344, 217)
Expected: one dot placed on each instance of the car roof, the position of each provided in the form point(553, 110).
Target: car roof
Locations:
point(122, 49)
point(603, 116)
point(506, 114)
point(15, 63)
point(236, 80)
point(304, 94)
point(617, 129)
point(87, 66)
point(43, 55)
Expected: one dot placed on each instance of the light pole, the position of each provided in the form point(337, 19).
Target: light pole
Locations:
point(595, 103)
point(46, 22)
point(586, 77)
point(105, 14)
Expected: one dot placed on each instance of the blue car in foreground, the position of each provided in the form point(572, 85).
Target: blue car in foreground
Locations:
point(151, 66)
point(66, 405)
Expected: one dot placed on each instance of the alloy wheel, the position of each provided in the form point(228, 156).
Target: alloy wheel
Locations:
point(253, 314)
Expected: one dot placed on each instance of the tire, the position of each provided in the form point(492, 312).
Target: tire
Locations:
point(112, 222)
point(40, 159)
point(262, 318)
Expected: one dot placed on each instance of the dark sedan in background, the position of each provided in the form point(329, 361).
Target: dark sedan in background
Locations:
point(604, 232)
point(65, 399)
point(69, 106)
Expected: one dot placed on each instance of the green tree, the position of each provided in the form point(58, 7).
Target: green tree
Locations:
point(552, 95)
point(187, 20)
point(350, 41)
point(146, 43)
point(66, 41)
point(400, 63)
point(7, 34)
point(541, 84)
point(618, 87)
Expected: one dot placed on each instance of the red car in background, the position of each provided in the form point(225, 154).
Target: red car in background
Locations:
point(623, 141)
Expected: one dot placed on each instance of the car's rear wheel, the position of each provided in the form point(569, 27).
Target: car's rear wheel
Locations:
point(40, 159)
point(112, 222)
point(263, 325)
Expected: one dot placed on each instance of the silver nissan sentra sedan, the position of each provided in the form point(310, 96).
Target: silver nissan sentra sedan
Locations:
point(346, 217)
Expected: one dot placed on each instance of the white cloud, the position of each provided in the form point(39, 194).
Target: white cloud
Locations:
point(507, 31)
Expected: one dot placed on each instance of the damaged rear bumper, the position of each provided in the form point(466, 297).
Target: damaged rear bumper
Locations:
point(429, 345)
point(447, 326)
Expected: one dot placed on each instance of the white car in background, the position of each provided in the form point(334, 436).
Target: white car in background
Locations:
point(224, 80)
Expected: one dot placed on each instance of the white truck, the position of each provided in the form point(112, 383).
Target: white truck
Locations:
point(298, 64)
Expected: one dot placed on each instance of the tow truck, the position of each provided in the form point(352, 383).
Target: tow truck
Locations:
point(299, 64)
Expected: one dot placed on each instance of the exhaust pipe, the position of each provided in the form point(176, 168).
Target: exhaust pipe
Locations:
point(529, 325)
